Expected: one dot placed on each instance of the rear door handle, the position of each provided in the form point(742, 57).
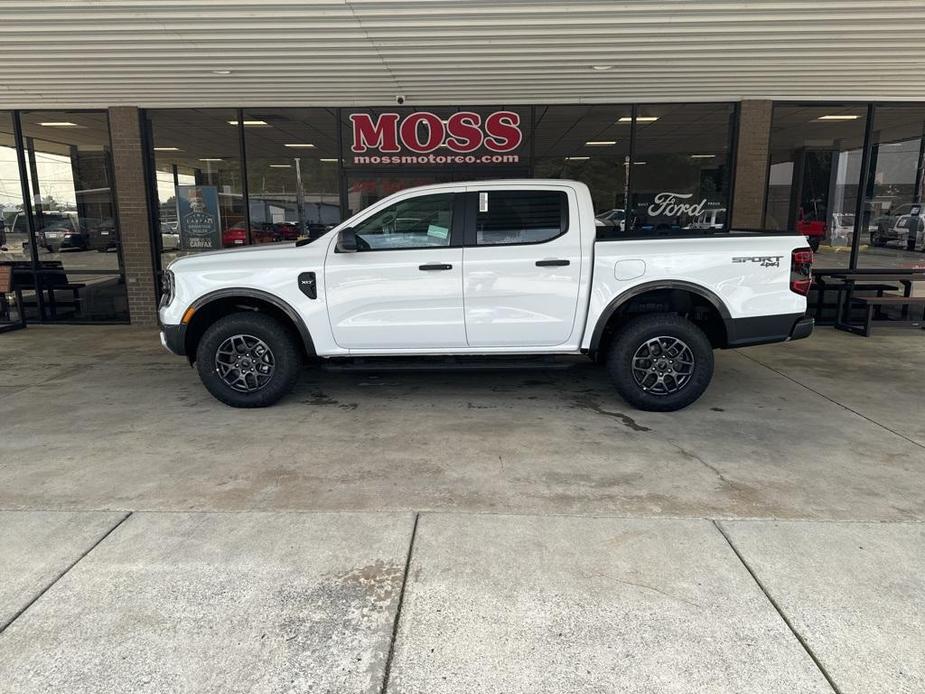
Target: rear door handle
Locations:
point(435, 266)
point(551, 263)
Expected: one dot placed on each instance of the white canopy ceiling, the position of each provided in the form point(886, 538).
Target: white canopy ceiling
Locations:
point(82, 53)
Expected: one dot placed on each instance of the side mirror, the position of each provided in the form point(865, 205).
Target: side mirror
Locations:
point(346, 241)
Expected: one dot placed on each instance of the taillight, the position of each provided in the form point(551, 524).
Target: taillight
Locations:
point(801, 264)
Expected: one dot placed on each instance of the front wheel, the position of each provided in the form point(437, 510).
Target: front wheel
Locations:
point(660, 362)
point(248, 359)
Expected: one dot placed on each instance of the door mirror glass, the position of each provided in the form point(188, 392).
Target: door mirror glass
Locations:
point(346, 241)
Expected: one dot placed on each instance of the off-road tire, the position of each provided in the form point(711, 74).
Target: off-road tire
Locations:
point(634, 335)
point(286, 356)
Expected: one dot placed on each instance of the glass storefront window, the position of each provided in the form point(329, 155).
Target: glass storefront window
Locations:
point(680, 175)
point(292, 173)
point(893, 233)
point(590, 144)
point(815, 167)
point(15, 249)
point(197, 161)
point(69, 166)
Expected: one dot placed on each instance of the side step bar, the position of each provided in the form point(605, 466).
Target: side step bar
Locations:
point(449, 363)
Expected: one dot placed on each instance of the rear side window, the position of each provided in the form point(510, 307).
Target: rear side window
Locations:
point(520, 216)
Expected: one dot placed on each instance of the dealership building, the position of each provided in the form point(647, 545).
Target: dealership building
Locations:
point(135, 132)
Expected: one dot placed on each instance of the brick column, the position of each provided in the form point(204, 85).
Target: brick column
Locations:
point(134, 221)
point(751, 177)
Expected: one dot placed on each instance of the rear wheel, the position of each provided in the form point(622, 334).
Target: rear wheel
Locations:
point(660, 362)
point(248, 359)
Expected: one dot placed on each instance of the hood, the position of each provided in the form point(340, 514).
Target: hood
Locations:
point(227, 252)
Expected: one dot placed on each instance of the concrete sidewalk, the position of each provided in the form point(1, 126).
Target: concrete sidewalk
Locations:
point(346, 602)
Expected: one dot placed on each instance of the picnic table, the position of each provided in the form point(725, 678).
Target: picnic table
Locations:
point(859, 279)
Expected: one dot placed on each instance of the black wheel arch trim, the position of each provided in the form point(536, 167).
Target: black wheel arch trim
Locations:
point(247, 293)
point(632, 292)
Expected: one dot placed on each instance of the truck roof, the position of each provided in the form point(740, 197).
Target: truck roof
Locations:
point(498, 183)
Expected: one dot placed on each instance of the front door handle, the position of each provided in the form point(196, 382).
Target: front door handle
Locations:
point(435, 266)
point(552, 263)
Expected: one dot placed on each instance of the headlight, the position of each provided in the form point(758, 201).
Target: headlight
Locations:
point(167, 287)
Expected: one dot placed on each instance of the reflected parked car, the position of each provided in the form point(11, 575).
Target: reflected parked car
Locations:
point(59, 231)
point(710, 219)
point(102, 234)
point(262, 232)
point(613, 218)
point(170, 236)
point(234, 236)
point(842, 232)
point(907, 230)
point(63, 235)
point(813, 229)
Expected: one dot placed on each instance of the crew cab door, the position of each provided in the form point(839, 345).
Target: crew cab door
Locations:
point(402, 288)
point(521, 266)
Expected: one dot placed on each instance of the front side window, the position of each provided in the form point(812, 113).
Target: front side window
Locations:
point(421, 222)
point(520, 216)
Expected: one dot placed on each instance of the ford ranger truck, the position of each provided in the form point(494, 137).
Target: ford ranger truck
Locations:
point(488, 269)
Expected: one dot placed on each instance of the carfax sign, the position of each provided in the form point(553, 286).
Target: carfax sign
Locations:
point(200, 227)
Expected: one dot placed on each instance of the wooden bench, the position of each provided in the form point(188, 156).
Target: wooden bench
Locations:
point(872, 302)
point(821, 287)
point(7, 287)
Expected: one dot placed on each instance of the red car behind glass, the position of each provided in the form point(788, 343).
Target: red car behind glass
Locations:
point(262, 233)
point(812, 229)
point(266, 232)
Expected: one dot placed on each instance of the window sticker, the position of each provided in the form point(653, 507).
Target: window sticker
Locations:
point(483, 202)
point(438, 231)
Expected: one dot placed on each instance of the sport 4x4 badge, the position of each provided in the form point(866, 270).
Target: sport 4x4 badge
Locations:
point(763, 260)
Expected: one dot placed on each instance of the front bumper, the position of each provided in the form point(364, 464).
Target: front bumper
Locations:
point(173, 338)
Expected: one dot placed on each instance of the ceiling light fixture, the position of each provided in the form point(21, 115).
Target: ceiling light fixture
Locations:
point(602, 68)
point(248, 122)
point(280, 166)
point(639, 163)
point(211, 159)
point(167, 149)
point(59, 124)
point(838, 116)
point(329, 160)
point(703, 156)
point(600, 143)
point(639, 119)
point(302, 145)
point(576, 158)
point(221, 72)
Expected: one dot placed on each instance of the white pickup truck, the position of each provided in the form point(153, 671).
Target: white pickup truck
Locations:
point(497, 269)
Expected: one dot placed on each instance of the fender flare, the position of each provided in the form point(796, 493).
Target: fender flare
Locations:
point(632, 292)
point(291, 313)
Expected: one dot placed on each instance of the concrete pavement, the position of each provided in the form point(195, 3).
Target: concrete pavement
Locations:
point(347, 602)
point(769, 538)
point(218, 602)
point(758, 444)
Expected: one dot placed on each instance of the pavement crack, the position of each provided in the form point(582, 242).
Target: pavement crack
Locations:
point(693, 456)
point(780, 611)
point(63, 573)
point(624, 419)
point(656, 590)
point(387, 673)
